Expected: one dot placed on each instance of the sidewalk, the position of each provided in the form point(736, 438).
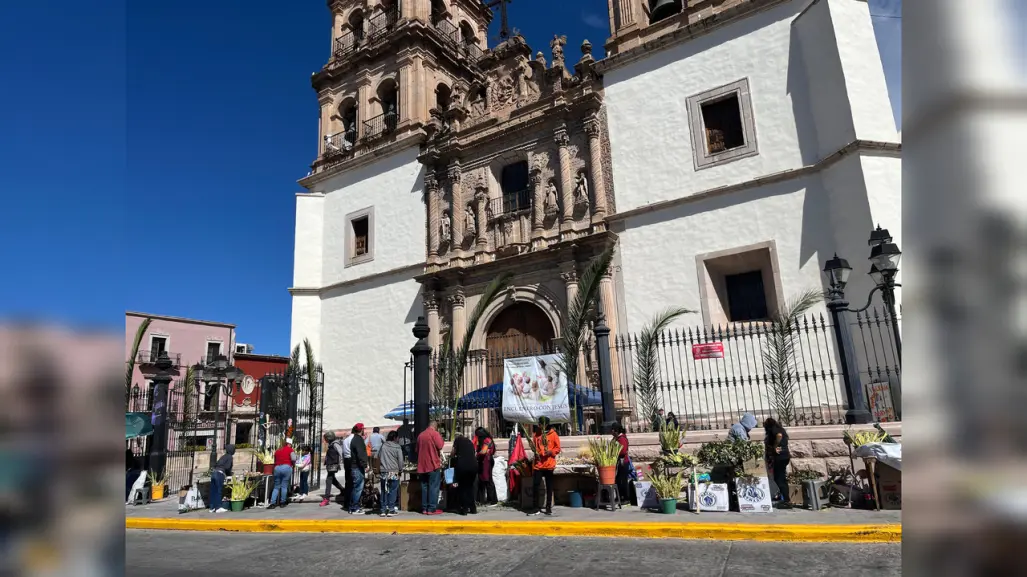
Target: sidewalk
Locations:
point(846, 525)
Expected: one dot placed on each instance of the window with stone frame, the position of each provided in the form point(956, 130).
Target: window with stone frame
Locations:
point(746, 296)
point(158, 345)
point(359, 236)
point(740, 284)
point(515, 186)
point(721, 124)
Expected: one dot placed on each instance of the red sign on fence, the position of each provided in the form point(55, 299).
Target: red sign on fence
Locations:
point(708, 351)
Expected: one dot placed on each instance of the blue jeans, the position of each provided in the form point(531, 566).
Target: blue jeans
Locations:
point(304, 487)
point(390, 494)
point(283, 474)
point(357, 474)
point(217, 485)
point(430, 491)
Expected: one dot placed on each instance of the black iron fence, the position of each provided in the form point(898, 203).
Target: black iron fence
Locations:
point(150, 357)
point(706, 376)
point(510, 203)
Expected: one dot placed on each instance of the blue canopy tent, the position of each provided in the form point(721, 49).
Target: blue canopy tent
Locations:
point(137, 425)
point(406, 411)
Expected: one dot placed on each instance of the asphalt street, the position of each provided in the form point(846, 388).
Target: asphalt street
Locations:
point(173, 554)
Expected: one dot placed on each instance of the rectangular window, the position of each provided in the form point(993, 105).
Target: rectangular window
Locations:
point(213, 350)
point(514, 182)
point(158, 345)
point(723, 121)
point(746, 297)
point(359, 236)
point(242, 433)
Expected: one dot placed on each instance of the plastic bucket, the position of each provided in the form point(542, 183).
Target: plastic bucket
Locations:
point(156, 492)
point(237, 505)
point(608, 475)
point(575, 498)
point(668, 506)
point(267, 468)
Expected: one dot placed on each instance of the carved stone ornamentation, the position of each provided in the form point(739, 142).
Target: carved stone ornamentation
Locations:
point(557, 45)
point(470, 228)
point(527, 87)
point(446, 232)
point(581, 190)
point(540, 58)
point(539, 161)
point(431, 301)
point(552, 202)
point(569, 276)
point(456, 299)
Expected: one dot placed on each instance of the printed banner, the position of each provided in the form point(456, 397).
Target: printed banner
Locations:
point(535, 387)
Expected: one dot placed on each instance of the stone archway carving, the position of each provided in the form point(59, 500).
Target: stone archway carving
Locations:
point(538, 296)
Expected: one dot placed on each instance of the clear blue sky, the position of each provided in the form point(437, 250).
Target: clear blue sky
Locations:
point(150, 151)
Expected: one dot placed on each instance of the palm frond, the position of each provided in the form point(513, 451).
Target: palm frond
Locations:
point(294, 366)
point(190, 392)
point(647, 365)
point(311, 369)
point(140, 332)
point(779, 354)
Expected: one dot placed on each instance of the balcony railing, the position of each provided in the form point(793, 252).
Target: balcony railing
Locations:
point(150, 357)
point(451, 35)
point(348, 42)
point(380, 125)
point(340, 143)
point(510, 203)
point(380, 25)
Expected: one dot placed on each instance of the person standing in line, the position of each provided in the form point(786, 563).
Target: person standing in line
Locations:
point(429, 443)
point(547, 445)
point(778, 457)
point(374, 445)
point(303, 464)
point(466, 470)
point(406, 438)
point(485, 448)
point(347, 468)
point(659, 423)
point(358, 467)
point(285, 456)
point(740, 430)
point(623, 463)
point(222, 472)
point(333, 463)
point(672, 420)
point(391, 458)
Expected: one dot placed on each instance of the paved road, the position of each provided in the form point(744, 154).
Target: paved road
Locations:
point(173, 554)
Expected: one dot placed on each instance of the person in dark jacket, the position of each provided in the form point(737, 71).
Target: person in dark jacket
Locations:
point(333, 463)
point(776, 442)
point(358, 456)
point(222, 472)
point(391, 459)
point(466, 469)
point(485, 448)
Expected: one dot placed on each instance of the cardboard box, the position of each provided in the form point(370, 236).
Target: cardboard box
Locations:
point(709, 496)
point(753, 495)
point(889, 486)
point(645, 495)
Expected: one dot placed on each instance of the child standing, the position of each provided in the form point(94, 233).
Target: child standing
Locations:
point(304, 466)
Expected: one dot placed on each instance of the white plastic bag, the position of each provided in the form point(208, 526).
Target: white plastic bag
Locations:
point(888, 453)
point(499, 477)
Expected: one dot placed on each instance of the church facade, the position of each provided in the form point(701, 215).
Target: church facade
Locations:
point(727, 138)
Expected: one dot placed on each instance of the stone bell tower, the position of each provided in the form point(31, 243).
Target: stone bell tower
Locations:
point(391, 63)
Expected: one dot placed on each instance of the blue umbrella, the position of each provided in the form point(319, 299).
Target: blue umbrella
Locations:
point(406, 411)
point(491, 397)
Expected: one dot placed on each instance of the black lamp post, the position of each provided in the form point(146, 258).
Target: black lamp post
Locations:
point(885, 256)
point(222, 372)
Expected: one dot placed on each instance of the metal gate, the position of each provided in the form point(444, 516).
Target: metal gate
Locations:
point(292, 405)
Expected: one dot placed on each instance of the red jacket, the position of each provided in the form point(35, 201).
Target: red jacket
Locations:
point(429, 443)
point(623, 440)
point(284, 455)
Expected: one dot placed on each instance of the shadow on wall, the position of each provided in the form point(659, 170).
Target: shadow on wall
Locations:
point(375, 170)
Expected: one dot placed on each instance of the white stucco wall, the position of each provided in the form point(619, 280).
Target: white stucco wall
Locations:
point(360, 319)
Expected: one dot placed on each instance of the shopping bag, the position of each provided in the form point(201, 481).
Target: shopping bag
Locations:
point(450, 476)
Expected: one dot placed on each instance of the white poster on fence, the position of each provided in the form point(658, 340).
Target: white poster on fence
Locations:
point(535, 387)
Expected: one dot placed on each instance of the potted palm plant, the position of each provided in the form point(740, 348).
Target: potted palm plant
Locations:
point(157, 485)
point(267, 461)
point(604, 456)
point(667, 490)
point(241, 488)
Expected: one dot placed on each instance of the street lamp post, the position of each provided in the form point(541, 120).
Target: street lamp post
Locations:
point(221, 370)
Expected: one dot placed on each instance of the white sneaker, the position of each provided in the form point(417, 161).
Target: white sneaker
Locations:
point(210, 510)
point(221, 510)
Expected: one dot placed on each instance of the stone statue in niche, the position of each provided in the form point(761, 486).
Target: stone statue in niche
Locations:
point(557, 46)
point(527, 90)
point(447, 231)
point(540, 58)
point(551, 204)
point(581, 190)
point(478, 105)
point(470, 230)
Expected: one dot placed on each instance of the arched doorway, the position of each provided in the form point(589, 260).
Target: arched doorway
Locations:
point(520, 330)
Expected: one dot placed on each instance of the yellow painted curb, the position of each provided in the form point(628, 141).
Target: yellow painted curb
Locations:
point(719, 531)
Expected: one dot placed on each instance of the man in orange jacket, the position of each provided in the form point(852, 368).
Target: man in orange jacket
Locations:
point(547, 447)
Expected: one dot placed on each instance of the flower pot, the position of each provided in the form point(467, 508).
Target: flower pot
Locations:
point(607, 475)
point(267, 468)
point(668, 506)
point(156, 492)
point(237, 506)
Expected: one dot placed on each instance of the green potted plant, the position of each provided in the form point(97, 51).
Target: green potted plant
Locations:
point(730, 459)
point(241, 487)
point(267, 461)
point(667, 490)
point(604, 456)
point(157, 485)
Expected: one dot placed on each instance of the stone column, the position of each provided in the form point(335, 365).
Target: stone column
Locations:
point(405, 91)
point(456, 300)
point(431, 197)
point(595, 162)
point(363, 105)
point(337, 8)
point(481, 199)
point(431, 308)
point(608, 297)
point(538, 209)
point(566, 184)
point(456, 208)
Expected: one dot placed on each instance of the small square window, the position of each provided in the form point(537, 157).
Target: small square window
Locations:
point(359, 237)
point(722, 126)
point(213, 350)
point(746, 297)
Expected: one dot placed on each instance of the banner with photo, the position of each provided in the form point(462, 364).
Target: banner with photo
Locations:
point(535, 387)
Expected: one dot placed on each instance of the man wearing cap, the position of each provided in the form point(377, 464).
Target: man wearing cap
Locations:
point(284, 458)
point(358, 450)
